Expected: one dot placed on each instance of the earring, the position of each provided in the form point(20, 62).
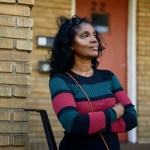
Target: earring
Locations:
point(72, 48)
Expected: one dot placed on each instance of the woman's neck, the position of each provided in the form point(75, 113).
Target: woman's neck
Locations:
point(83, 68)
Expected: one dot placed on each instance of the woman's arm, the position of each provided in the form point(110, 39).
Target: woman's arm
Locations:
point(66, 110)
point(129, 119)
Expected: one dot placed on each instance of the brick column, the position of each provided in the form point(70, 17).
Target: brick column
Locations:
point(15, 71)
point(143, 70)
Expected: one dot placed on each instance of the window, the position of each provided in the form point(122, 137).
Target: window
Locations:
point(101, 22)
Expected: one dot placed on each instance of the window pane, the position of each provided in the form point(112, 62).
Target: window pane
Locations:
point(101, 22)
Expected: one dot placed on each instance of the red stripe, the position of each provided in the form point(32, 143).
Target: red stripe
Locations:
point(97, 122)
point(63, 100)
point(98, 105)
point(118, 126)
point(121, 97)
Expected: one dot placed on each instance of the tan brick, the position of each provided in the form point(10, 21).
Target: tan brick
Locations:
point(12, 148)
point(143, 140)
point(4, 140)
point(16, 10)
point(148, 53)
point(14, 55)
point(20, 139)
point(53, 5)
point(52, 12)
point(24, 45)
point(21, 56)
point(13, 127)
point(5, 91)
point(6, 66)
point(143, 38)
point(141, 61)
point(6, 43)
point(5, 115)
point(141, 14)
point(8, 1)
point(13, 103)
point(141, 53)
point(142, 43)
point(21, 116)
point(14, 79)
point(144, 134)
point(22, 33)
point(7, 21)
point(24, 22)
point(28, 2)
point(23, 68)
point(21, 91)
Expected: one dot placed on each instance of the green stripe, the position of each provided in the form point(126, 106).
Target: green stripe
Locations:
point(132, 111)
point(113, 115)
point(57, 84)
point(66, 119)
point(93, 90)
point(115, 83)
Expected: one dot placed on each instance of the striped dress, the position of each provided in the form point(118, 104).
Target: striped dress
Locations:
point(82, 126)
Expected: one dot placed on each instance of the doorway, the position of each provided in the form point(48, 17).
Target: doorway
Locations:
point(113, 28)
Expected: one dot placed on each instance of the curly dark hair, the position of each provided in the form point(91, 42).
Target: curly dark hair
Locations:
point(62, 57)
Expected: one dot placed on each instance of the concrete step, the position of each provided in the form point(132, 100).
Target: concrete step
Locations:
point(130, 146)
point(124, 146)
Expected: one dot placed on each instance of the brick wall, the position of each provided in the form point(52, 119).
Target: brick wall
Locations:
point(15, 45)
point(143, 70)
point(44, 14)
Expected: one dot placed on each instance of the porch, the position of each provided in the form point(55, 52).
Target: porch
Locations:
point(124, 146)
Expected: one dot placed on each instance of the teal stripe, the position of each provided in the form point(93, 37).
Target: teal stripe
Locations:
point(115, 83)
point(57, 84)
point(132, 111)
point(95, 90)
point(113, 115)
point(66, 119)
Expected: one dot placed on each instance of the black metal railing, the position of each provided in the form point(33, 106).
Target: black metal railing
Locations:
point(47, 128)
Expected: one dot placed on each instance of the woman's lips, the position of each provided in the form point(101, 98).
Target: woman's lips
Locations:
point(94, 47)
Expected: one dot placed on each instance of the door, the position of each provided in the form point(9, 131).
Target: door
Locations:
point(110, 18)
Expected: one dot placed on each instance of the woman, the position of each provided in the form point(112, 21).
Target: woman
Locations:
point(89, 124)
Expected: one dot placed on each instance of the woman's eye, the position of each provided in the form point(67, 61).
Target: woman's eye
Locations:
point(84, 35)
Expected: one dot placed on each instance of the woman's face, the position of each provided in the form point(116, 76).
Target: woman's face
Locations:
point(85, 44)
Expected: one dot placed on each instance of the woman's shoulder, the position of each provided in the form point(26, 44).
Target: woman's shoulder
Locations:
point(57, 75)
point(107, 74)
point(60, 77)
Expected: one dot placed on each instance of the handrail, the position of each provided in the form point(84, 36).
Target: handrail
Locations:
point(47, 128)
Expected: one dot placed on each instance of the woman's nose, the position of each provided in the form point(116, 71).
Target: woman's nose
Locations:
point(94, 39)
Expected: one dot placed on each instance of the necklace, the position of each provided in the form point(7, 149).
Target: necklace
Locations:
point(83, 73)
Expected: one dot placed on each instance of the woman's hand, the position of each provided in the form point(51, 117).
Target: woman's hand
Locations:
point(119, 109)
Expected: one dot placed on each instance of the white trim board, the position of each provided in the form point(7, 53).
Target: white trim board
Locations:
point(131, 60)
point(73, 8)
